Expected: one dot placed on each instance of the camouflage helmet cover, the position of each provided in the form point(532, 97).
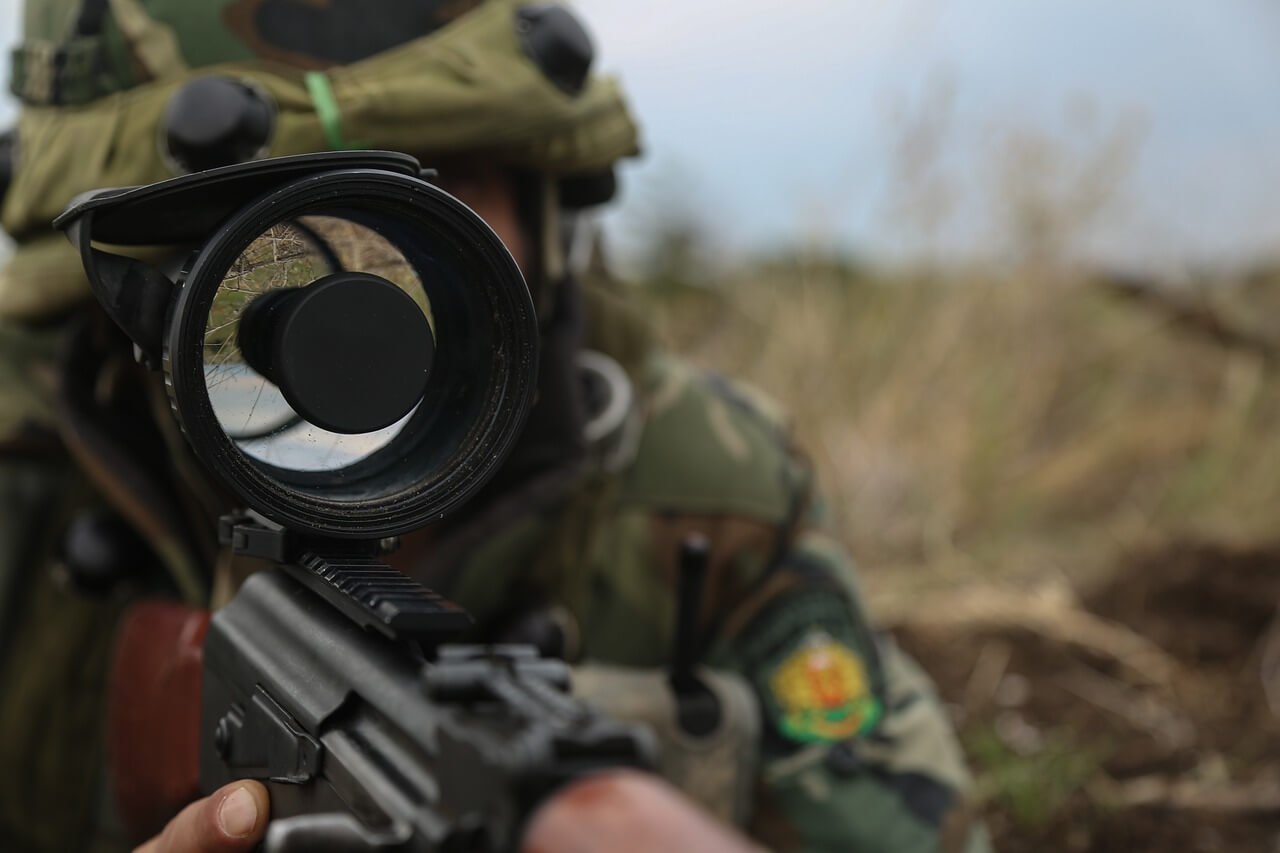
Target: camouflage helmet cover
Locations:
point(467, 84)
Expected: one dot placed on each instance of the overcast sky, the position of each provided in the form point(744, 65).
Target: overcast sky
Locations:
point(782, 122)
point(787, 116)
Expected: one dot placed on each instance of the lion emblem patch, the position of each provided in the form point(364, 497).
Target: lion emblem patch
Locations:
point(823, 692)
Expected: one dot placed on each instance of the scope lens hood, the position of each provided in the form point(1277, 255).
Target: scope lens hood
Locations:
point(350, 348)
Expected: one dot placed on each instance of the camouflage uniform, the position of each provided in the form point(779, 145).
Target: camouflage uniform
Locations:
point(854, 752)
point(870, 762)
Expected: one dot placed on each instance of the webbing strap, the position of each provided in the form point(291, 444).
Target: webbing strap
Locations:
point(328, 111)
point(93, 15)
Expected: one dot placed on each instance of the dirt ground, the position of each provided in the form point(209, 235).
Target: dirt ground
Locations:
point(1081, 744)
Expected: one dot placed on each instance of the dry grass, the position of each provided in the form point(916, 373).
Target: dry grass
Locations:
point(1011, 426)
point(1003, 453)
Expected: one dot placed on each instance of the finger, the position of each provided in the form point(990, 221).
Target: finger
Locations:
point(230, 820)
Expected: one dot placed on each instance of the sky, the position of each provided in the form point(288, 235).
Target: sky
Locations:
point(789, 118)
point(906, 127)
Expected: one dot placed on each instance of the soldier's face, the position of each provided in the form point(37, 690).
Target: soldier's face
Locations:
point(487, 189)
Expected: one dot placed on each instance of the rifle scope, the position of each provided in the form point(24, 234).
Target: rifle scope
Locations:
point(349, 347)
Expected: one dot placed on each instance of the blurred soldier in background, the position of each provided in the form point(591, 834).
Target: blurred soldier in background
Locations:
point(777, 706)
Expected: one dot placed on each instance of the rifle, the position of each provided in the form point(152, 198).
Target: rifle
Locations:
point(332, 677)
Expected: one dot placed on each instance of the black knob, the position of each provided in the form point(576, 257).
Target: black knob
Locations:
point(558, 44)
point(216, 121)
point(350, 352)
point(697, 706)
point(588, 189)
point(222, 736)
point(100, 549)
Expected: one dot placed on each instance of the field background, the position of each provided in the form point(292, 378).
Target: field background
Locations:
point(1062, 488)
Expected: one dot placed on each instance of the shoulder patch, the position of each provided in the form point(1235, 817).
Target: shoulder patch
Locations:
point(814, 664)
point(822, 691)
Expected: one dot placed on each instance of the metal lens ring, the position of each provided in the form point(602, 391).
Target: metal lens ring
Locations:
point(354, 353)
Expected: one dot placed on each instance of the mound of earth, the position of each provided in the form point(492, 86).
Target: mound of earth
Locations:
point(1077, 749)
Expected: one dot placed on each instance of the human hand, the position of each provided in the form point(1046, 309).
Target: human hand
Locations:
point(232, 819)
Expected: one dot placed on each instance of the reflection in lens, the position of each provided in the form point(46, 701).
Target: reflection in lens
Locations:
point(249, 407)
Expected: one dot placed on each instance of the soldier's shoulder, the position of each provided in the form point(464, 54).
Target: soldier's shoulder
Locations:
point(711, 445)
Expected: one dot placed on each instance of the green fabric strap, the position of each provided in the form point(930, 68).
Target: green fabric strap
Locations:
point(327, 109)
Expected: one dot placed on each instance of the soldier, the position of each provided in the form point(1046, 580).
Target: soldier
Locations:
point(820, 734)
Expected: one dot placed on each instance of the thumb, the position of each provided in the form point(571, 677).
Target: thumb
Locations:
point(230, 820)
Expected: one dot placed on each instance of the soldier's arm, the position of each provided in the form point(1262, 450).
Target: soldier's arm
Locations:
point(857, 754)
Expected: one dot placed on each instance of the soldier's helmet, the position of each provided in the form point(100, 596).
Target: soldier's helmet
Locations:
point(129, 92)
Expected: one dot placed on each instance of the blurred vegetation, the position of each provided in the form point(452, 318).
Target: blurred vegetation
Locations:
point(1032, 788)
point(989, 433)
point(1003, 420)
point(1060, 480)
point(291, 255)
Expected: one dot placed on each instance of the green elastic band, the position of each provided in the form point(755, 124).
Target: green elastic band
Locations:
point(327, 109)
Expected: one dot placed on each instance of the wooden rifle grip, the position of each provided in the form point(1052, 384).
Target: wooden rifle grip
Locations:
point(153, 716)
